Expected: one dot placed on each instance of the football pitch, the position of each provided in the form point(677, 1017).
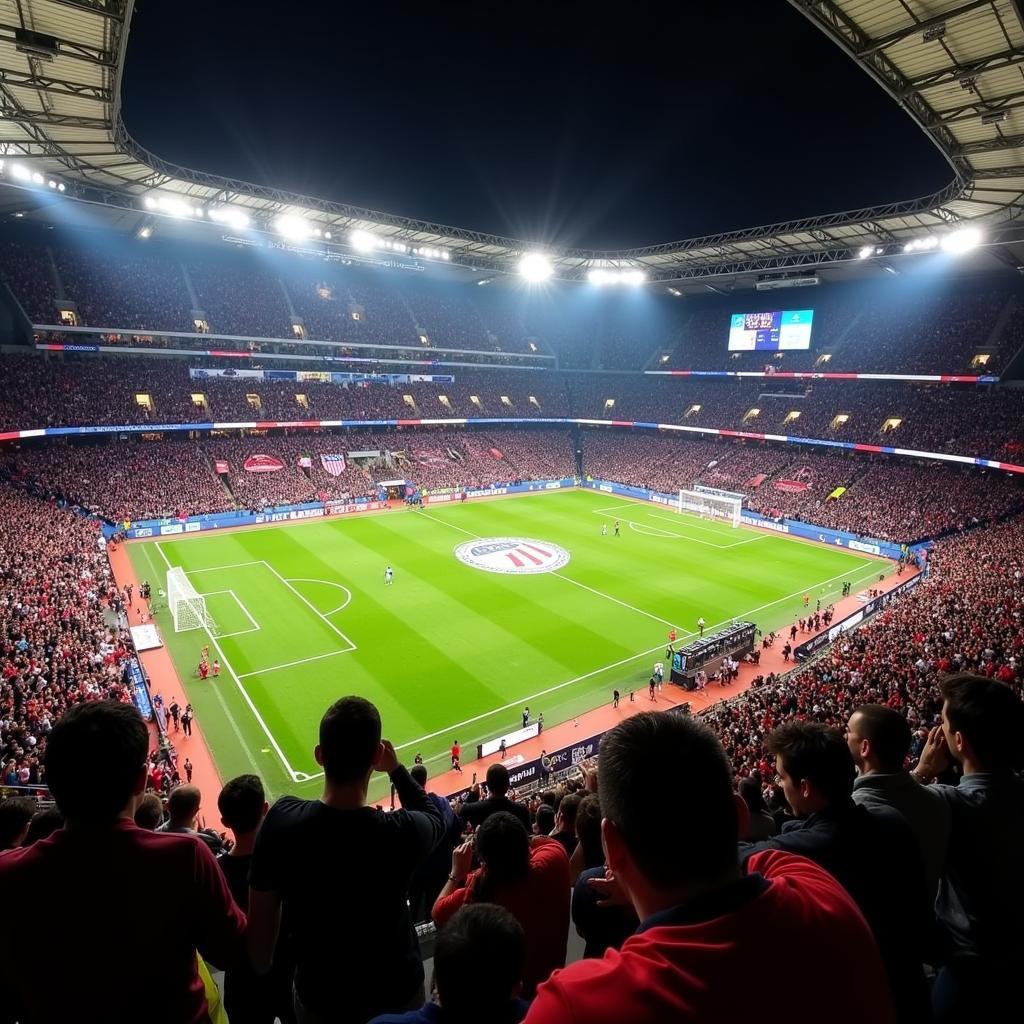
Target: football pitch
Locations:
point(494, 605)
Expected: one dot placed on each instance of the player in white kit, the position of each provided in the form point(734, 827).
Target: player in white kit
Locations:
point(389, 576)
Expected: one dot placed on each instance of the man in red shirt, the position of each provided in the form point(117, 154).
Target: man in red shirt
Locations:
point(89, 878)
point(698, 954)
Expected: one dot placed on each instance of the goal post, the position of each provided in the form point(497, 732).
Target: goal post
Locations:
point(187, 605)
point(714, 506)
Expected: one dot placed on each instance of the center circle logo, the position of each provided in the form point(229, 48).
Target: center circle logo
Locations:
point(519, 555)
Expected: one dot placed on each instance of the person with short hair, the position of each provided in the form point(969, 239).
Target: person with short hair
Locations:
point(879, 741)
point(429, 877)
point(478, 971)
point(149, 812)
point(528, 875)
point(565, 822)
point(816, 772)
point(498, 785)
point(183, 806)
point(89, 875)
point(15, 817)
point(699, 953)
point(341, 871)
point(251, 998)
point(981, 896)
point(545, 822)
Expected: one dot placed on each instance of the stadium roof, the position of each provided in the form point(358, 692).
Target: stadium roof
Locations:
point(955, 66)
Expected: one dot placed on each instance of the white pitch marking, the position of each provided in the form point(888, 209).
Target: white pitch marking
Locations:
point(290, 664)
point(328, 583)
point(215, 568)
point(567, 579)
point(245, 696)
point(653, 531)
point(310, 606)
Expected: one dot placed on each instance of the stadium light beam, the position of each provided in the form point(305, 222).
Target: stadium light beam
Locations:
point(959, 242)
point(21, 172)
point(363, 241)
point(230, 216)
point(295, 229)
point(535, 267)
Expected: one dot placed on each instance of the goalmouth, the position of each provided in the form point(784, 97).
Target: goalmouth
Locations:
point(720, 505)
point(187, 605)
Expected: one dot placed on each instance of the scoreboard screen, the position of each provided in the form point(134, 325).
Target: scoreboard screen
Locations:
point(780, 331)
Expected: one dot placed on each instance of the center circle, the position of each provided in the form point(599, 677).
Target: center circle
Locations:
point(512, 555)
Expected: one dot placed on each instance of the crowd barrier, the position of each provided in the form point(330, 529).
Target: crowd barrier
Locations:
point(803, 651)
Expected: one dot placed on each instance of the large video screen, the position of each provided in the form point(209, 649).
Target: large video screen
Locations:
point(781, 331)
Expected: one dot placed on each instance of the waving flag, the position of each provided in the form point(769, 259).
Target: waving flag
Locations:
point(333, 464)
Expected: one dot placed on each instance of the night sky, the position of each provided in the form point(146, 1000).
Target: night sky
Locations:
point(539, 121)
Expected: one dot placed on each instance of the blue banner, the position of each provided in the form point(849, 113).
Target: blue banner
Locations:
point(135, 679)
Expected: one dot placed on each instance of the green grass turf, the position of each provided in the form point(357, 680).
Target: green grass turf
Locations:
point(449, 650)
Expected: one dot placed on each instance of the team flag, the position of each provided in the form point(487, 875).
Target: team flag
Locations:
point(333, 464)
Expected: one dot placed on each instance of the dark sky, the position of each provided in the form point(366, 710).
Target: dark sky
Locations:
point(542, 121)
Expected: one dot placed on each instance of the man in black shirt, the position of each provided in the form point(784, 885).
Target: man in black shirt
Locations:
point(250, 998)
point(497, 786)
point(341, 870)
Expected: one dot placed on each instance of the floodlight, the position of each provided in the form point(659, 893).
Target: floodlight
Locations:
point(535, 266)
point(145, 232)
point(52, 183)
point(231, 216)
point(864, 252)
point(37, 178)
point(60, 186)
point(362, 241)
point(21, 172)
point(633, 277)
point(598, 276)
point(293, 228)
point(958, 242)
point(327, 235)
point(149, 202)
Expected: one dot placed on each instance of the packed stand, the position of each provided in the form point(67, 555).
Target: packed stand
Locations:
point(115, 288)
point(59, 643)
point(123, 480)
point(27, 271)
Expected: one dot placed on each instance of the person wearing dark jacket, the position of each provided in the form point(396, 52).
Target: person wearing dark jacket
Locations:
point(874, 855)
point(497, 786)
point(429, 878)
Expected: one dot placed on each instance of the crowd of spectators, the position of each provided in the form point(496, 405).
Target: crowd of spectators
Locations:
point(896, 500)
point(61, 641)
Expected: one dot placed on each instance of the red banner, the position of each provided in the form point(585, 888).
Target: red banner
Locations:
point(263, 464)
point(221, 466)
point(791, 486)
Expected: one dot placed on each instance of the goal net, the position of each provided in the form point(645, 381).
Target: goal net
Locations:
point(188, 607)
point(712, 506)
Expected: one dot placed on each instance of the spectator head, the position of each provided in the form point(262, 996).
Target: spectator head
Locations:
point(662, 857)
point(15, 816)
point(497, 780)
point(149, 812)
point(545, 820)
point(419, 775)
point(750, 791)
point(242, 804)
point(568, 807)
point(814, 766)
point(104, 728)
point(588, 830)
point(982, 721)
point(43, 824)
point(349, 744)
point(503, 849)
point(878, 738)
point(183, 806)
point(478, 963)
